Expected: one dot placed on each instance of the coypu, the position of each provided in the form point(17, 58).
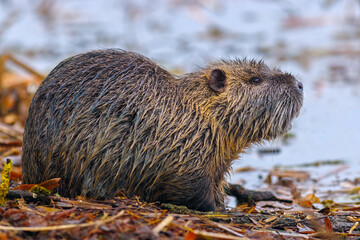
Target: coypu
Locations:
point(112, 120)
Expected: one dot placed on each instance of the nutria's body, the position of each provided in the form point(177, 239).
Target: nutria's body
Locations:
point(113, 120)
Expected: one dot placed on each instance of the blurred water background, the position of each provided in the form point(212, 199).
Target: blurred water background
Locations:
point(317, 41)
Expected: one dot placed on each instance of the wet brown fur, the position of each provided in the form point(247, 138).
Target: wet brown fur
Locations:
point(113, 120)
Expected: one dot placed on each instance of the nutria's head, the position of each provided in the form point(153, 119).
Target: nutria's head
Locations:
point(252, 101)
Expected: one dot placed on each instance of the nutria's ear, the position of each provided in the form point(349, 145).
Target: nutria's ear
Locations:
point(217, 80)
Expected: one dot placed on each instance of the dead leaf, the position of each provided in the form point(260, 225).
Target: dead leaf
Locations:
point(300, 175)
point(328, 225)
point(312, 198)
point(16, 173)
point(48, 184)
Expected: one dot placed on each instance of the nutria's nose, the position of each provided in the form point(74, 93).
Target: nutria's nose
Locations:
point(300, 86)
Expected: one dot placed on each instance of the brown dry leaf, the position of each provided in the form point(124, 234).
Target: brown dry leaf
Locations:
point(62, 227)
point(4, 236)
point(23, 206)
point(305, 203)
point(351, 209)
point(332, 172)
point(272, 206)
point(86, 204)
point(16, 173)
point(11, 80)
point(304, 229)
point(312, 198)
point(300, 175)
point(262, 235)
point(11, 118)
point(245, 169)
point(48, 184)
point(308, 200)
point(228, 228)
point(190, 236)
point(271, 219)
point(301, 22)
point(12, 131)
point(328, 225)
point(210, 235)
point(7, 142)
point(48, 209)
point(352, 219)
point(63, 214)
point(12, 151)
point(9, 100)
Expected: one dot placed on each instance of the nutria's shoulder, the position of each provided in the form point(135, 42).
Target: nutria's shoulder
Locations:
point(111, 54)
point(107, 65)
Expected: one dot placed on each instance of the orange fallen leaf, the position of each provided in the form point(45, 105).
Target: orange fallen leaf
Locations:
point(87, 204)
point(309, 200)
point(200, 234)
point(16, 173)
point(312, 198)
point(48, 209)
point(305, 203)
point(245, 169)
point(48, 184)
point(190, 236)
point(328, 225)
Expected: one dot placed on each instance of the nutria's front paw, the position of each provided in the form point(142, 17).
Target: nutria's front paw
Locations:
point(247, 196)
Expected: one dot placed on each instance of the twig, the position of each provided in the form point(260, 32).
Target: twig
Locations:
point(218, 235)
point(223, 226)
point(61, 227)
point(332, 172)
point(162, 224)
point(353, 227)
point(25, 67)
point(10, 131)
point(28, 196)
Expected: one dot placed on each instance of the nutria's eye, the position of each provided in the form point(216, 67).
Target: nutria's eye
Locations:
point(255, 81)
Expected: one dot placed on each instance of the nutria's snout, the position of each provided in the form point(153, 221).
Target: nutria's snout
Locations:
point(288, 104)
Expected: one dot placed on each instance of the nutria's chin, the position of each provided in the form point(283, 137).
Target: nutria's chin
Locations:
point(287, 110)
point(113, 120)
